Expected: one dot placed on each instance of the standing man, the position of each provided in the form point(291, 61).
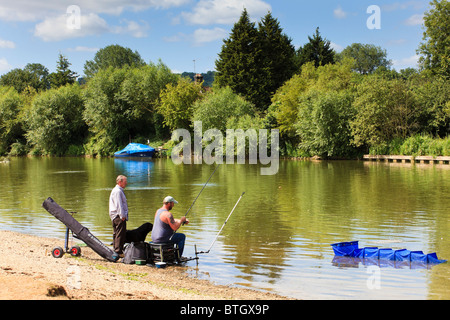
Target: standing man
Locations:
point(118, 212)
point(165, 225)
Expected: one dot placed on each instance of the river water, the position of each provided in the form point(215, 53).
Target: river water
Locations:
point(278, 238)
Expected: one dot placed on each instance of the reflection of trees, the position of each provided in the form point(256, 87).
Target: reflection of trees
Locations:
point(257, 233)
point(259, 238)
point(296, 213)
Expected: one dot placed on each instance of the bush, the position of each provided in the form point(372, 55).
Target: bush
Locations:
point(385, 110)
point(218, 106)
point(11, 120)
point(55, 120)
point(417, 145)
point(75, 150)
point(324, 124)
point(120, 103)
point(177, 101)
point(424, 145)
point(18, 149)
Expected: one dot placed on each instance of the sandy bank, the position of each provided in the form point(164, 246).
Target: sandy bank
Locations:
point(28, 271)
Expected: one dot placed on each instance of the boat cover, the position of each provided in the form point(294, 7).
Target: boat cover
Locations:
point(137, 149)
point(79, 230)
point(351, 249)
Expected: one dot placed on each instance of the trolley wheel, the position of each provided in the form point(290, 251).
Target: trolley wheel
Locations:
point(75, 251)
point(57, 252)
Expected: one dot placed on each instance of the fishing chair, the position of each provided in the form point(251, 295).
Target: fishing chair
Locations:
point(164, 252)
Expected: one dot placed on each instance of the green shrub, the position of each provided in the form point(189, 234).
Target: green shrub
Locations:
point(75, 150)
point(18, 149)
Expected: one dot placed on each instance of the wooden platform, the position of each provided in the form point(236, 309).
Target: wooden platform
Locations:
point(408, 159)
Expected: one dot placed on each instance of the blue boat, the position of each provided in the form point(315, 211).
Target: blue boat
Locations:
point(135, 150)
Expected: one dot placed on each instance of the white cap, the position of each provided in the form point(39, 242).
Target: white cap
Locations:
point(169, 199)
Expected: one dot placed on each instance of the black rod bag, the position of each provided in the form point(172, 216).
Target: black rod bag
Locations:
point(79, 230)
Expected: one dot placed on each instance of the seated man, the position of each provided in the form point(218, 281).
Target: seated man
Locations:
point(165, 225)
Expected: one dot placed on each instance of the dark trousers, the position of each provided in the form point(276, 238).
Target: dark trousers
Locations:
point(179, 239)
point(119, 234)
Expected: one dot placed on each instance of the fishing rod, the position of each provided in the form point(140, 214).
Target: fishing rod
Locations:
point(209, 249)
point(201, 190)
point(197, 197)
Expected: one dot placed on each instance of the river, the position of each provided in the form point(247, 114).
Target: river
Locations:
point(278, 238)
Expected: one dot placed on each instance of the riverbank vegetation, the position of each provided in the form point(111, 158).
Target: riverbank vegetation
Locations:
point(326, 104)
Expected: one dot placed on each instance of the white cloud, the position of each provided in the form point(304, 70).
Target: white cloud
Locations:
point(414, 20)
point(83, 49)
point(51, 16)
point(202, 36)
point(4, 66)
point(26, 10)
point(409, 62)
point(397, 42)
point(339, 13)
point(414, 4)
point(175, 38)
point(33, 10)
point(6, 44)
point(60, 28)
point(132, 28)
point(224, 11)
point(176, 71)
point(336, 47)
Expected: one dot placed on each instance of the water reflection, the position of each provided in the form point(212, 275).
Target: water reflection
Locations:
point(280, 234)
point(137, 170)
point(351, 262)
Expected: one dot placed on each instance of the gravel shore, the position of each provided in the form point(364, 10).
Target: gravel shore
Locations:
point(29, 272)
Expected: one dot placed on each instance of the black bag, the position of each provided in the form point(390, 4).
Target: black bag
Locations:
point(136, 251)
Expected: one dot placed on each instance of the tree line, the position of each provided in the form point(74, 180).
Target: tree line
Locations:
point(327, 104)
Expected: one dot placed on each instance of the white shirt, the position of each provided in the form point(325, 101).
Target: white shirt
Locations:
point(118, 203)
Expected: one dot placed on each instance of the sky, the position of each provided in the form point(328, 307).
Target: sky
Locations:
point(187, 35)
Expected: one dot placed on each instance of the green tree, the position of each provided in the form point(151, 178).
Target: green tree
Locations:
point(114, 56)
point(284, 108)
point(324, 123)
point(208, 77)
point(34, 75)
point(141, 90)
point(106, 113)
point(63, 74)
point(11, 121)
point(255, 62)
point(278, 57)
point(237, 65)
point(120, 105)
point(367, 57)
point(385, 110)
point(55, 121)
point(40, 79)
point(177, 101)
point(435, 48)
point(433, 97)
point(218, 106)
point(317, 50)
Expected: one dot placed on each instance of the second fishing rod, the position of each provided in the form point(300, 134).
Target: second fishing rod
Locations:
point(185, 215)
